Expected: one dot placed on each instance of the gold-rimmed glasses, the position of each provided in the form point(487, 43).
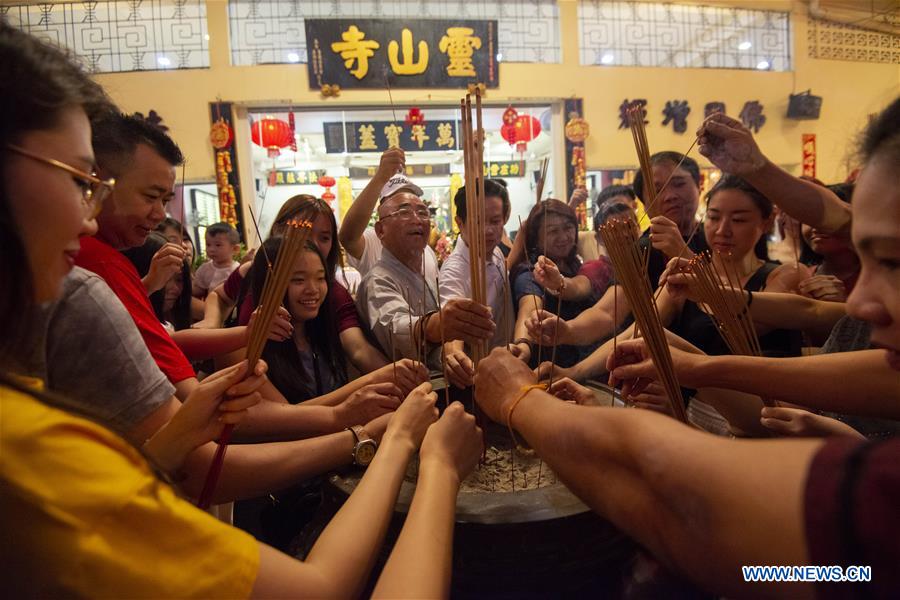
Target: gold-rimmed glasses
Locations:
point(93, 189)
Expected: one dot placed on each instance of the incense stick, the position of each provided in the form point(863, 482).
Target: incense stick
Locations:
point(272, 298)
point(443, 341)
point(618, 237)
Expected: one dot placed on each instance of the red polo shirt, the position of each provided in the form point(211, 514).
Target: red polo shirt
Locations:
point(121, 275)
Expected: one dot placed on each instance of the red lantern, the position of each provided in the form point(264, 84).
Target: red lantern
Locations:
point(415, 116)
point(326, 181)
point(527, 128)
point(271, 134)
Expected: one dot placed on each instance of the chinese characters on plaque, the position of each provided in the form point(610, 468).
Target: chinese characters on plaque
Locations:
point(378, 136)
point(676, 112)
point(363, 53)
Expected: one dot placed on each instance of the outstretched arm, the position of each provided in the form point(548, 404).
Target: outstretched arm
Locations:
point(731, 147)
point(675, 490)
point(357, 218)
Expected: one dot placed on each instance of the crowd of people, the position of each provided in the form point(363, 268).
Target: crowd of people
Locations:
point(122, 364)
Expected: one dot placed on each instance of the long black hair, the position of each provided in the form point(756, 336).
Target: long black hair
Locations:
point(141, 257)
point(37, 84)
point(763, 204)
point(285, 367)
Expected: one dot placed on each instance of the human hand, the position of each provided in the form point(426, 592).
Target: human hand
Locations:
point(522, 351)
point(579, 196)
point(279, 330)
point(467, 320)
point(547, 274)
point(393, 161)
point(367, 403)
point(799, 422)
point(824, 287)
point(729, 145)
point(460, 368)
point(565, 388)
point(542, 372)
point(453, 442)
point(666, 237)
point(676, 280)
point(409, 374)
point(167, 261)
point(498, 379)
point(219, 400)
point(542, 327)
point(632, 366)
point(652, 397)
point(412, 419)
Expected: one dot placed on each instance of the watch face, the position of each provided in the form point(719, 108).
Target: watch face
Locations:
point(365, 452)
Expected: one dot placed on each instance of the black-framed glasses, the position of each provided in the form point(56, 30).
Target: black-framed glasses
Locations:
point(93, 189)
point(406, 213)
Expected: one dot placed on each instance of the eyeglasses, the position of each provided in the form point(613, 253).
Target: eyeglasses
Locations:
point(406, 213)
point(93, 189)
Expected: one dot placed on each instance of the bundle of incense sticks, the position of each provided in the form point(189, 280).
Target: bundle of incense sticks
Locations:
point(473, 160)
point(628, 263)
point(540, 183)
point(295, 237)
point(639, 134)
point(720, 291)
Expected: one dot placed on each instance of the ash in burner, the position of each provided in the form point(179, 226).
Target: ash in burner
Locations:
point(503, 470)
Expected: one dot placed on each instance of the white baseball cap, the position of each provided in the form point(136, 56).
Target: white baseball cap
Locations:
point(399, 183)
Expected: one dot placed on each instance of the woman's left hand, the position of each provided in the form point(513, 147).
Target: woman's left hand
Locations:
point(221, 399)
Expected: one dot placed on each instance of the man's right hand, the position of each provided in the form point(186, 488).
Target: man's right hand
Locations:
point(466, 320)
point(393, 161)
point(499, 378)
point(165, 263)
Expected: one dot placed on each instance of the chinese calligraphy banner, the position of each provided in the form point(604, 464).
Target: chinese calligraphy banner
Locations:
point(809, 154)
point(360, 53)
point(378, 136)
point(297, 177)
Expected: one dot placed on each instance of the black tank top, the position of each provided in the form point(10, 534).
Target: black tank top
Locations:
point(698, 328)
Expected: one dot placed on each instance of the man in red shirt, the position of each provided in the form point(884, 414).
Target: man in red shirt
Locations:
point(142, 159)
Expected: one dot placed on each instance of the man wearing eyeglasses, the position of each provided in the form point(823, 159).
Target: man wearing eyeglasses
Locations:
point(398, 296)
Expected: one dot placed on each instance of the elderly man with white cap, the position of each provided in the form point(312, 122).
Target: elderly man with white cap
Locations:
point(398, 294)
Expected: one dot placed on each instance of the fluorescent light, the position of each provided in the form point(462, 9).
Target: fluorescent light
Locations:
point(745, 46)
point(499, 57)
point(163, 61)
point(763, 65)
point(293, 57)
point(607, 59)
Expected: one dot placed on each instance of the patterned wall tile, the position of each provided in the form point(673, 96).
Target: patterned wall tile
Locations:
point(641, 34)
point(124, 35)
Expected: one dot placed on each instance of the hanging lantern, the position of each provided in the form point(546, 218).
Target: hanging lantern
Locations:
point(271, 134)
point(527, 128)
point(415, 116)
point(510, 115)
point(326, 181)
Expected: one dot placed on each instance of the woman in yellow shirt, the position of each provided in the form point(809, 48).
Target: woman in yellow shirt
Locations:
point(83, 512)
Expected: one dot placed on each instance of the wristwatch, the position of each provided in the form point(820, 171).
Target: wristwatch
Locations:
point(364, 449)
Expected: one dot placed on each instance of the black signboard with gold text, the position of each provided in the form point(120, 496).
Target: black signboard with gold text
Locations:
point(360, 53)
